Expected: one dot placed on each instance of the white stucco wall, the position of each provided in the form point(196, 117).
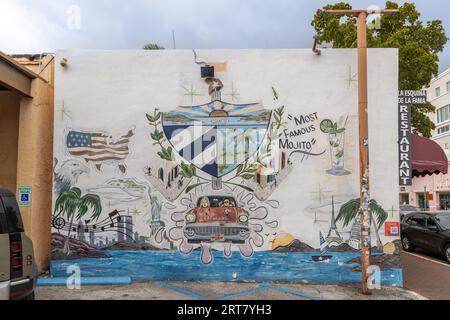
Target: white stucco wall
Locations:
point(112, 91)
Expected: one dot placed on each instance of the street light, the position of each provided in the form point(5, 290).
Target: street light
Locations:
point(363, 134)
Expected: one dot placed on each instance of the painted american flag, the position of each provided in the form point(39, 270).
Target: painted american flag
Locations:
point(98, 147)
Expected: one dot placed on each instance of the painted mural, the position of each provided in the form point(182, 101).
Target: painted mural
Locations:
point(256, 187)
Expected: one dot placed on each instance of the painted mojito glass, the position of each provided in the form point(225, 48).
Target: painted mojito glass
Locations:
point(336, 137)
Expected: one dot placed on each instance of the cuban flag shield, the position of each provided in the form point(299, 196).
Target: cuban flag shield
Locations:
point(217, 137)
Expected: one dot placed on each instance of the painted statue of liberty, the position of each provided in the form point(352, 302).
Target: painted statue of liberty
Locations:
point(156, 207)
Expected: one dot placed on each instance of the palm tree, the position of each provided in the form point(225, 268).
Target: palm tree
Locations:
point(350, 210)
point(72, 205)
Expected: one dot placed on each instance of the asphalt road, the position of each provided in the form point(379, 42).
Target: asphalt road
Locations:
point(426, 274)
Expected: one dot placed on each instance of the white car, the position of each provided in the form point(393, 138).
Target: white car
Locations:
point(18, 270)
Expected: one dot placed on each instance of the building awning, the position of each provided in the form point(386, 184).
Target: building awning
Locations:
point(427, 157)
point(14, 76)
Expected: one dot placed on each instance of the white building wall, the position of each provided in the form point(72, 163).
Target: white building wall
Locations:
point(112, 91)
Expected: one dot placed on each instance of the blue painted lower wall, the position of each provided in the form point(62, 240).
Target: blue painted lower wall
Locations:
point(261, 267)
point(89, 281)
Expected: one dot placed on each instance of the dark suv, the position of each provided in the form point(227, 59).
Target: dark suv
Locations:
point(427, 230)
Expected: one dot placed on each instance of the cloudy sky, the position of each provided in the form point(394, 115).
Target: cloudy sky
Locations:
point(35, 26)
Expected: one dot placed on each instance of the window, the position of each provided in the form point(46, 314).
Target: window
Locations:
point(448, 86)
point(443, 114)
point(431, 223)
point(444, 201)
point(443, 129)
point(3, 224)
point(13, 218)
point(404, 198)
point(421, 201)
point(438, 91)
point(444, 220)
point(416, 221)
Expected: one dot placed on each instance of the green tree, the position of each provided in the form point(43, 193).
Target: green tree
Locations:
point(72, 205)
point(153, 46)
point(419, 44)
point(350, 210)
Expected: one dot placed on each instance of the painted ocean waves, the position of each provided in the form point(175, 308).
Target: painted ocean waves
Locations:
point(263, 266)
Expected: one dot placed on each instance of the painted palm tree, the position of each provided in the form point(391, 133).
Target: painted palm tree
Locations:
point(73, 205)
point(350, 210)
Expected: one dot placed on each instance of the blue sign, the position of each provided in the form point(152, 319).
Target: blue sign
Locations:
point(24, 196)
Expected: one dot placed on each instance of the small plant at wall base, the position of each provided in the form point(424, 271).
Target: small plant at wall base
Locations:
point(418, 43)
point(73, 205)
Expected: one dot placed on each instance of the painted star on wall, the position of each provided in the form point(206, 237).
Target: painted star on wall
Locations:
point(191, 92)
point(321, 192)
point(65, 112)
point(351, 79)
point(234, 94)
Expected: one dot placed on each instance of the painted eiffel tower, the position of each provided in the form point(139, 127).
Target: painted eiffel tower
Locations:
point(333, 237)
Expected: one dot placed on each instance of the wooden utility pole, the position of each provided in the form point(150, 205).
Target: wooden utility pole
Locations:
point(363, 136)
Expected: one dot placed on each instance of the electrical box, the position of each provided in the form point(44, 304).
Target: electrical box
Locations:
point(207, 72)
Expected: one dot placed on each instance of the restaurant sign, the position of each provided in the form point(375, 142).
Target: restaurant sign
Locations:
point(406, 99)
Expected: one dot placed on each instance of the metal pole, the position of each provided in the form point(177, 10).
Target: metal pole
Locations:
point(425, 198)
point(173, 39)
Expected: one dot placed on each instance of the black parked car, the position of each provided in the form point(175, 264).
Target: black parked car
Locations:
point(427, 230)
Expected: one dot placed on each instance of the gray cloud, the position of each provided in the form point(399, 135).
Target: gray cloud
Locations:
point(31, 26)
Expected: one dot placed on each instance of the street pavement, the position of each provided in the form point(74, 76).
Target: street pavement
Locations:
point(222, 291)
point(426, 274)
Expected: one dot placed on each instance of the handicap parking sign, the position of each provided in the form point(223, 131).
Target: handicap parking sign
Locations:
point(24, 196)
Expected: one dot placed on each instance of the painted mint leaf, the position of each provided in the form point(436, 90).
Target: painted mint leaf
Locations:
point(154, 136)
point(187, 171)
point(326, 126)
point(150, 118)
point(190, 188)
point(242, 186)
point(169, 153)
point(166, 154)
point(193, 170)
point(277, 118)
point(275, 94)
point(162, 155)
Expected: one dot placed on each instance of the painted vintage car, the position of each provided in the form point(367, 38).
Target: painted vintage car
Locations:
point(217, 219)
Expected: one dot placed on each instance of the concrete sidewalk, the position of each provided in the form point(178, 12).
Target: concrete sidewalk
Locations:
point(222, 291)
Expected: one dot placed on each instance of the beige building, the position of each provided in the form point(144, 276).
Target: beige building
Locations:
point(26, 141)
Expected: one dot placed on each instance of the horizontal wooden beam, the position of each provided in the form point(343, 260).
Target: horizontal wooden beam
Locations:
point(16, 65)
point(357, 12)
point(13, 79)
